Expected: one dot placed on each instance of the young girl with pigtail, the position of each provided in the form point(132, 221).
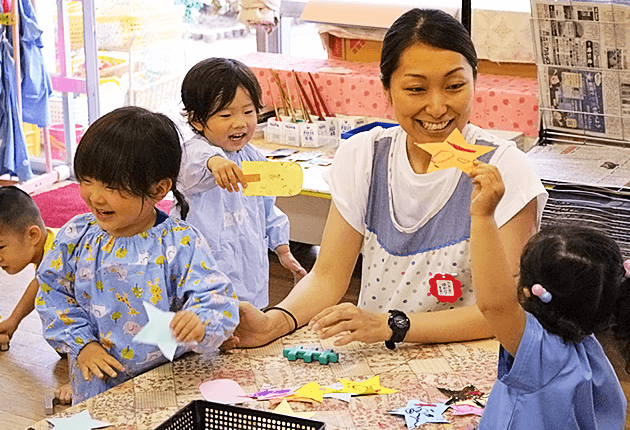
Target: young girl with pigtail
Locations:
point(104, 265)
point(553, 373)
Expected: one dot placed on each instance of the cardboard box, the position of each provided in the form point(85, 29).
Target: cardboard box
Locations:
point(350, 14)
point(364, 51)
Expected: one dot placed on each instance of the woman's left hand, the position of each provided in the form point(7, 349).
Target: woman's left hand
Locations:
point(359, 325)
point(187, 326)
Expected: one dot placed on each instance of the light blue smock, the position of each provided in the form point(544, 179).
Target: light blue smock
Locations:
point(36, 82)
point(553, 384)
point(13, 151)
point(92, 287)
point(240, 229)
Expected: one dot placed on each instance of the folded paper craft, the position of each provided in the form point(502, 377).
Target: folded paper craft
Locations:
point(453, 152)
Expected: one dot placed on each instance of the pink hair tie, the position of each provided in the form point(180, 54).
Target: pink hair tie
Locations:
point(626, 265)
point(544, 295)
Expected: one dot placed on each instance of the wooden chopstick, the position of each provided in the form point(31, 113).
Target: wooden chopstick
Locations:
point(319, 95)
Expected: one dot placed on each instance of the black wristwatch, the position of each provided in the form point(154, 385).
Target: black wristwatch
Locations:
point(399, 323)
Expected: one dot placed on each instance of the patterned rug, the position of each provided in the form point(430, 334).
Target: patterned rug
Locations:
point(60, 205)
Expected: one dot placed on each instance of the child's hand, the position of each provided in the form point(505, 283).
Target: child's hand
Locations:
point(187, 327)
point(488, 189)
point(8, 327)
point(226, 173)
point(95, 360)
point(289, 262)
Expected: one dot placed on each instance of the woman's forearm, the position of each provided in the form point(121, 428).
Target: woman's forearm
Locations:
point(451, 325)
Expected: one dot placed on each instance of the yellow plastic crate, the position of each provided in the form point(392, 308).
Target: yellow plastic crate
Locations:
point(121, 27)
point(33, 138)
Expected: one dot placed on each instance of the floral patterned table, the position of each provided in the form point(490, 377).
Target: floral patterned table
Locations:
point(148, 400)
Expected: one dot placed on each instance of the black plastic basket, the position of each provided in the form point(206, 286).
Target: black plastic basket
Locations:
point(203, 415)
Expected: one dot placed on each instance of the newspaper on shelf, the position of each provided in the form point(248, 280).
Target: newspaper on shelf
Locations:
point(583, 57)
point(597, 165)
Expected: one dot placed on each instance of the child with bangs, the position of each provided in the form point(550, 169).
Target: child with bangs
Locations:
point(105, 264)
point(221, 100)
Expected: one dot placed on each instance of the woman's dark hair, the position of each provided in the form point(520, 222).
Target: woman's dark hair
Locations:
point(210, 86)
point(428, 26)
point(583, 270)
point(131, 149)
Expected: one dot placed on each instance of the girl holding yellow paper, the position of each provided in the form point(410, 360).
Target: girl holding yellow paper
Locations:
point(222, 98)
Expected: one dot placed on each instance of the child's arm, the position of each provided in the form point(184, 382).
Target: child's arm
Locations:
point(493, 282)
point(226, 173)
point(205, 292)
point(24, 307)
point(278, 232)
point(289, 262)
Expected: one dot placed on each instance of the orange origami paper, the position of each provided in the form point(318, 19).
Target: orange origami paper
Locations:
point(453, 152)
point(371, 386)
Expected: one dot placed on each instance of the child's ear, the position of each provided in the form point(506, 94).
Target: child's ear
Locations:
point(34, 234)
point(162, 188)
point(198, 126)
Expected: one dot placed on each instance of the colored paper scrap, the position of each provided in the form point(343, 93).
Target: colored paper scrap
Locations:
point(158, 331)
point(80, 421)
point(453, 152)
point(271, 393)
point(225, 391)
point(312, 390)
point(417, 412)
point(285, 409)
point(370, 386)
point(466, 410)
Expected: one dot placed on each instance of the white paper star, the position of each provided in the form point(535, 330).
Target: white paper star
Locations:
point(80, 421)
point(158, 331)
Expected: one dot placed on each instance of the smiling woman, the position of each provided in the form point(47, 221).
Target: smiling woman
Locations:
point(412, 227)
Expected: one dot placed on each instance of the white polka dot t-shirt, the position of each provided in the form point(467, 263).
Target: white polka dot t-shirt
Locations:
point(417, 226)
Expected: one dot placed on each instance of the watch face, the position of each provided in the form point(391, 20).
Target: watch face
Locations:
point(401, 321)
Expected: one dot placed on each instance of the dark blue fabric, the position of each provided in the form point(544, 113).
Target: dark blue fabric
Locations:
point(36, 82)
point(13, 151)
point(449, 226)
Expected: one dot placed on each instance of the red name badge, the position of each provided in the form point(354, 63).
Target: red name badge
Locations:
point(445, 287)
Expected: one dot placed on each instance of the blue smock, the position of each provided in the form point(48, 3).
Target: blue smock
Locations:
point(240, 229)
point(92, 286)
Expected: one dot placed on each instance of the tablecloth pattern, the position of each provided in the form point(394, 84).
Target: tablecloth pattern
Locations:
point(148, 400)
point(501, 102)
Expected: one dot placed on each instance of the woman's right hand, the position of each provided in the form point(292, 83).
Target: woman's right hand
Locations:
point(226, 173)
point(94, 360)
point(255, 328)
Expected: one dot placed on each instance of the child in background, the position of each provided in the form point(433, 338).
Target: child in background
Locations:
point(222, 98)
point(553, 373)
point(105, 264)
point(23, 240)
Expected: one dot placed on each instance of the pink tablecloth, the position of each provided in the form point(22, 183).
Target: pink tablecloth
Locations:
point(501, 102)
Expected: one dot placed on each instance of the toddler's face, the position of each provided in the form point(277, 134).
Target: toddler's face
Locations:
point(15, 251)
point(232, 127)
point(117, 212)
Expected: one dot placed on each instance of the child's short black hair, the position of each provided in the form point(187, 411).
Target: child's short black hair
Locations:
point(583, 270)
point(131, 149)
point(18, 211)
point(210, 86)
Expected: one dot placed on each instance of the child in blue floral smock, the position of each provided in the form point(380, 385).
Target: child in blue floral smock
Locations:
point(105, 264)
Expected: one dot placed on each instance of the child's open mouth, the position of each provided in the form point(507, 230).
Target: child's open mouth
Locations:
point(103, 214)
point(238, 136)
